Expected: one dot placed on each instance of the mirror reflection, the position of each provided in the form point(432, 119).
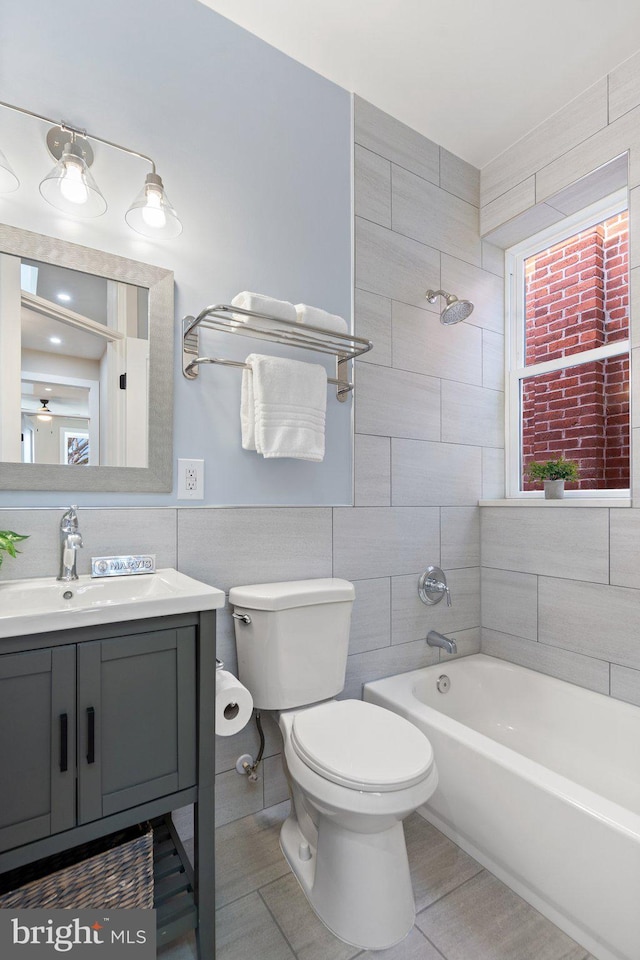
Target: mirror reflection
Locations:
point(83, 355)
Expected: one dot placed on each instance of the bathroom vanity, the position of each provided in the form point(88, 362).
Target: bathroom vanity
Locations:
point(105, 725)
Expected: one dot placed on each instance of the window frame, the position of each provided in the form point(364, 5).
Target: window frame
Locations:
point(516, 371)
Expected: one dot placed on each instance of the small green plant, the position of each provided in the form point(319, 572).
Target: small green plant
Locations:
point(8, 540)
point(559, 469)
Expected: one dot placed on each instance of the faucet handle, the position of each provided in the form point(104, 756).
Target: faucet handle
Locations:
point(432, 586)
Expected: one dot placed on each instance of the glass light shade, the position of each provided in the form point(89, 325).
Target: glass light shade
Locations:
point(151, 213)
point(8, 180)
point(71, 188)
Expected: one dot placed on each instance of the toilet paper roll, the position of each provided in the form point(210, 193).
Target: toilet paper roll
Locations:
point(234, 704)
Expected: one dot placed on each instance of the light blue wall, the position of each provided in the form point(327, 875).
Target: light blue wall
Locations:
point(254, 150)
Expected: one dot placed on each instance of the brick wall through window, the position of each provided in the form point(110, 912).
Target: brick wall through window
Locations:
point(577, 298)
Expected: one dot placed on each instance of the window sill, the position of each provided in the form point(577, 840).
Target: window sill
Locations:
point(567, 502)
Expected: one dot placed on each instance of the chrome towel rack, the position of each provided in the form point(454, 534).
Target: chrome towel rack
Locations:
point(225, 317)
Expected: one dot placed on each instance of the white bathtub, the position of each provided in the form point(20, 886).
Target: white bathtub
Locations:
point(540, 781)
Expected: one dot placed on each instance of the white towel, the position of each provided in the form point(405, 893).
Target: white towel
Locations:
point(280, 309)
point(320, 318)
point(289, 401)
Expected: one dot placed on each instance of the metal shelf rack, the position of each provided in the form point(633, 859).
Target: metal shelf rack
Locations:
point(229, 319)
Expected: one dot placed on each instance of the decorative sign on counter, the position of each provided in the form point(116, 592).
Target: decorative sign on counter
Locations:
point(122, 566)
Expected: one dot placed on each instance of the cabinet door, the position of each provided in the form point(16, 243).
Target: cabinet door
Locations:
point(136, 720)
point(37, 744)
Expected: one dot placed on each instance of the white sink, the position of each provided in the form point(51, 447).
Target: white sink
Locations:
point(40, 605)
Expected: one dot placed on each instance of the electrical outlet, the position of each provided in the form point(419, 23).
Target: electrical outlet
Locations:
point(190, 479)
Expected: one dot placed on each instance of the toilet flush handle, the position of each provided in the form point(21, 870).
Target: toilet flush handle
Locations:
point(242, 616)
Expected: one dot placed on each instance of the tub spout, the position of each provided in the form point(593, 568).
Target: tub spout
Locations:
point(435, 639)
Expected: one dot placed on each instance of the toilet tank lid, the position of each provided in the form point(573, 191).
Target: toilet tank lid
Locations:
point(291, 593)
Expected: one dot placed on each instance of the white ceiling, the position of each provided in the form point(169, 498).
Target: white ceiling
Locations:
point(472, 75)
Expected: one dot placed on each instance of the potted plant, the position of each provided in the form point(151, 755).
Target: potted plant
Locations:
point(8, 540)
point(554, 473)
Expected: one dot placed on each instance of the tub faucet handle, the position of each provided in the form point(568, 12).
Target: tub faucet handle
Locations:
point(432, 586)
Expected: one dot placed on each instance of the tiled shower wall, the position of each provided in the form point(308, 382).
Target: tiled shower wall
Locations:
point(428, 415)
point(561, 585)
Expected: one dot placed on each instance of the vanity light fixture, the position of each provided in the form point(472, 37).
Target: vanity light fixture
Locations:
point(44, 413)
point(71, 188)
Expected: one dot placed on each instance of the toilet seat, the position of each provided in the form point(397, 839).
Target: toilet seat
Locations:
point(361, 746)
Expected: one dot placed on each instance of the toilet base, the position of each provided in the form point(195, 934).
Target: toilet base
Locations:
point(359, 886)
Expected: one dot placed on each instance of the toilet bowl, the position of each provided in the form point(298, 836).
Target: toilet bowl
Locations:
point(354, 769)
point(354, 775)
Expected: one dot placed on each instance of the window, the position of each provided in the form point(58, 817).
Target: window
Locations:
point(568, 352)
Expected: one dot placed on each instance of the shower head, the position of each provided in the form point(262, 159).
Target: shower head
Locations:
point(455, 310)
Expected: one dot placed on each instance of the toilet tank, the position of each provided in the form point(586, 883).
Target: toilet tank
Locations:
point(294, 650)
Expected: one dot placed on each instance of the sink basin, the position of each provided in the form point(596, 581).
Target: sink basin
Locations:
point(40, 605)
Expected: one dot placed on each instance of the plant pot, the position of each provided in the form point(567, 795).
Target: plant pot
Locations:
point(554, 489)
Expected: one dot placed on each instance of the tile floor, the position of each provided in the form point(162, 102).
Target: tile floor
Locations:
point(463, 911)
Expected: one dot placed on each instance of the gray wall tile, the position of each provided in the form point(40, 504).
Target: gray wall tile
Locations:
point(383, 134)
point(372, 187)
point(394, 266)
point(572, 667)
point(559, 543)
point(397, 403)
point(594, 619)
point(510, 602)
point(385, 662)
point(372, 467)
point(371, 542)
point(580, 119)
point(587, 156)
point(508, 205)
point(373, 322)
point(492, 258)
point(228, 749)
point(459, 177)
point(483, 288)
point(624, 87)
point(492, 474)
point(227, 548)
point(460, 537)
point(492, 360)
point(624, 545)
point(432, 474)
point(371, 616)
point(422, 344)
point(625, 684)
point(276, 788)
point(236, 797)
point(526, 224)
point(411, 619)
point(425, 212)
point(472, 415)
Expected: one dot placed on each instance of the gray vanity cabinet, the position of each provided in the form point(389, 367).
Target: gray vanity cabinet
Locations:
point(106, 726)
point(136, 720)
point(37, 744)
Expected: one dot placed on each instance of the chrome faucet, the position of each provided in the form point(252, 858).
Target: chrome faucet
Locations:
point(435, 639)
point(70, 541)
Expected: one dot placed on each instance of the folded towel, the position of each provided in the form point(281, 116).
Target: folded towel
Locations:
point(289, 401)
point(280, 309)
point(320, 318)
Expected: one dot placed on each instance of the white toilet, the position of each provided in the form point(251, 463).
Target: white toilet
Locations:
point(355, 770)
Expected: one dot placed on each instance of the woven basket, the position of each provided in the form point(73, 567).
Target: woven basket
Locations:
point(112, 872)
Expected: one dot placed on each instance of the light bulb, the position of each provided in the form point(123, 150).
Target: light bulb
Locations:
point(72, 186)
point(44, 416)
point(152, 212)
